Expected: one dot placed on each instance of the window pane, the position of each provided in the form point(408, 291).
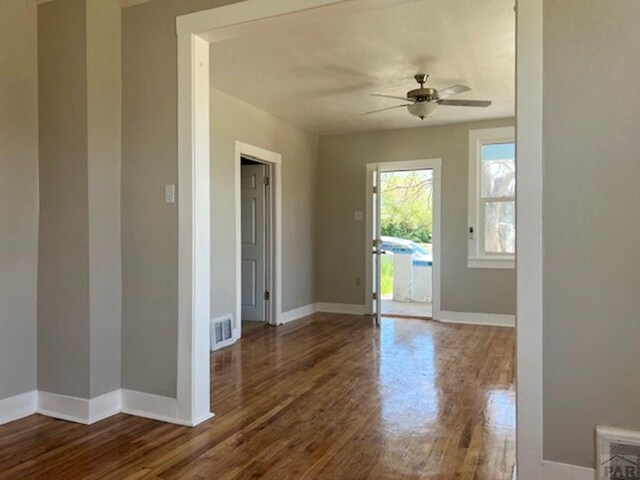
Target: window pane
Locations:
point(498, 170)
point(500, 227)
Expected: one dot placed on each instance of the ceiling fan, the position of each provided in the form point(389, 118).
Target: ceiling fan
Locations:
point(424, 100)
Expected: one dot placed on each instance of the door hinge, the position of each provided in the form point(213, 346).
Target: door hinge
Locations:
point(266, 181)
point(375, 189)
point(375, 296)
point(266, 296)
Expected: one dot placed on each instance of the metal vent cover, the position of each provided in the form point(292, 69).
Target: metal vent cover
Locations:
point(221, 332)
point(618, 454)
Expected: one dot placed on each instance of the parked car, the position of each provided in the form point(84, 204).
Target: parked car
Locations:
point(393, 245)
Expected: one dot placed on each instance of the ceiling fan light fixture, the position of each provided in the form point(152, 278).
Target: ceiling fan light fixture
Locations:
point(422, 110)
point(425, 100)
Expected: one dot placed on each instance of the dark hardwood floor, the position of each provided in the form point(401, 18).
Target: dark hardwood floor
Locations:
point(249, 326)
point(328, 397)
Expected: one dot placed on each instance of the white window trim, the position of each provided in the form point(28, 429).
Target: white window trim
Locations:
point(476, 257)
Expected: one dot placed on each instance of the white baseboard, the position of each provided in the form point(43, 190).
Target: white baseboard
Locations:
point(105, 406)
point(155, 407)
point(344, 308)
point(63, 407)
point(79, 410)
point(297, 313)
point(489, 319)
point(562, 471)
point(18, 406)
point(89, 411)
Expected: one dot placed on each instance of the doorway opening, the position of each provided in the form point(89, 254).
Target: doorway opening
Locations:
point(255, 235)
point(406, 225)
point(403, 247)
point(258, 209)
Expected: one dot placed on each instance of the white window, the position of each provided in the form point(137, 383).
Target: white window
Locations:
point(492, 198)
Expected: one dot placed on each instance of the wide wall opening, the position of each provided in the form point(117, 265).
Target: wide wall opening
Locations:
point(193, 60)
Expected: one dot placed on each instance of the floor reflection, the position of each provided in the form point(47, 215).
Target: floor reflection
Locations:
point(501, 411)
point(411, 399)
point(407, 379)
point(446, 391)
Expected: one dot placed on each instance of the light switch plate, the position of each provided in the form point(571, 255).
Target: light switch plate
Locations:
point(359, 215)
point(169, 194)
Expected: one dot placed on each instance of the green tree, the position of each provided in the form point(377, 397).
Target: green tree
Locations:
point(407, 205)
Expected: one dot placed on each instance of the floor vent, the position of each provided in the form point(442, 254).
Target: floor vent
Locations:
point(618, 454)
point(221, 332)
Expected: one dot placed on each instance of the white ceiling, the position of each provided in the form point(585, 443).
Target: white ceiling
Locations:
point(319, 75)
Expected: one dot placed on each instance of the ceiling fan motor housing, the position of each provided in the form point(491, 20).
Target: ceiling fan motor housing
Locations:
point(423, 94)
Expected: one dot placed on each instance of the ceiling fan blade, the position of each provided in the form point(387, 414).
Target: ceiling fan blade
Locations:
point(390, 96)
point(452, 90)
point(465, 103)
point(384, 109)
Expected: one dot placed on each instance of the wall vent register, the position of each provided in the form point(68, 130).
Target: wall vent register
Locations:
point(221, 332)
point(618, 454)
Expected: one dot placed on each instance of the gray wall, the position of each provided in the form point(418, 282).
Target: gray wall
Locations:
point(233, 120)
point(150, 160)
point(103, 155)
point(79, 282)
point(341, 239)
point(591, 236)
point(18, 196)
point(63, 260)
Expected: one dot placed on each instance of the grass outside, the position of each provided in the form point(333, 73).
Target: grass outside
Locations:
point(387, 275)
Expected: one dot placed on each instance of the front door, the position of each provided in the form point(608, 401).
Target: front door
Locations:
point(253, 226)
point(376, 247)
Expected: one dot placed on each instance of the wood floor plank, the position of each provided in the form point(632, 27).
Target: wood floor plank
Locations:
point(328, 397)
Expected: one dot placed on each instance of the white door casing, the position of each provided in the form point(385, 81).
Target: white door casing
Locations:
point(253, 235)
point(273, 164)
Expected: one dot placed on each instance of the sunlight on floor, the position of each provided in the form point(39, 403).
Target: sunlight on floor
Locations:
point(409, 309)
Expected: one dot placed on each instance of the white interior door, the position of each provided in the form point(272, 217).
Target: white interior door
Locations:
point(376, 244)
point(253, 230)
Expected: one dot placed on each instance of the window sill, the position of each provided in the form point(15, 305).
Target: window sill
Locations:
point(491, 262)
